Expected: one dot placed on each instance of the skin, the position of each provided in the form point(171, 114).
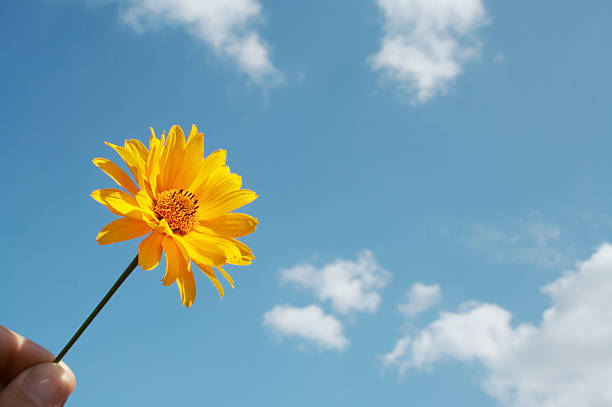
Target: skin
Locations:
point(28, 378)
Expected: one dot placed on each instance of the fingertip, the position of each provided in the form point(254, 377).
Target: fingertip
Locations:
point(69, 378)
point(47, 384)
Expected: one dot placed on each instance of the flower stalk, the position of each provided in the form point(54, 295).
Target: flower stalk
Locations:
point(97, 310)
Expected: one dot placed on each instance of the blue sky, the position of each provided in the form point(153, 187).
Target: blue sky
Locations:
point(434, 181)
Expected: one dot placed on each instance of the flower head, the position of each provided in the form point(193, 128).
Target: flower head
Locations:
point(183, 202)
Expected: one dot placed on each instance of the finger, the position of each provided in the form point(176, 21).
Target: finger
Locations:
point(18, 353)
point(43, 385)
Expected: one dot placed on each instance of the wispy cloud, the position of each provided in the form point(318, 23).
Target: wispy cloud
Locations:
point(426, 43)
point(349, 285)
point(226, 26)
point(564, 361)
point(527, 241)
point(309, 323)
point(420, 298)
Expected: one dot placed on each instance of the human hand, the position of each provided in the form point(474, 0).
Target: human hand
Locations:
point(28, 376)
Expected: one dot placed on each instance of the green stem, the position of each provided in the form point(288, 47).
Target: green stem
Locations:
point(101, 305)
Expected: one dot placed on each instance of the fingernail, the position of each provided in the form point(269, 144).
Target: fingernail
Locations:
point(47, 385)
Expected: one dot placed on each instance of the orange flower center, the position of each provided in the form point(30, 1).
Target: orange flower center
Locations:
point(179, 208)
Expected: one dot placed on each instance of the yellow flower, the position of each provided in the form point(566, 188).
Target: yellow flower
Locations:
point(183, 201)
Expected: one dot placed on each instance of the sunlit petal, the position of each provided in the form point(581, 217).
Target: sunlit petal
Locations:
point(122, 229)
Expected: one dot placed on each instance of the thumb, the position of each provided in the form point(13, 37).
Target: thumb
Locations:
point(43, 385)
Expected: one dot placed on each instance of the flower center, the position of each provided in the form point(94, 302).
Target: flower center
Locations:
point(179, 208)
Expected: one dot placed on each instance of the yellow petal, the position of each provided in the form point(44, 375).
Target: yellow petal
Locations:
point(137, 148)
point(152, 139)
point(133, 161)
point(232, 224)
point(176, 261)
point(187, 287)
point(122, 229)
point(194, 155)
point(209, 249)
point(225, 203)
point(227, 276)
point(146, 204)
point(212, 162)
point(164, 228)
point(220, 182)
point(116, 173)
point(211, 275)
point(172, 158)
point(118, 202)
point(150, 251)
point(246, 255)
point(193, 131)
point(152, 169)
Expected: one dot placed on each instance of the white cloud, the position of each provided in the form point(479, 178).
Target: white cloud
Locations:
point(226, 26)
point(398, 353)
point(426, 42)
point(350, 286)
point(480, 331)
point(419, 298)
point(530, 241)
point(565, 361)
point(309, 323)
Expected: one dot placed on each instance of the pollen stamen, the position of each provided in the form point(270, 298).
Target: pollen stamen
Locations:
point(179, 208)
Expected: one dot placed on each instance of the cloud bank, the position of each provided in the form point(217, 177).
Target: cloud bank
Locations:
point(564, 361)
